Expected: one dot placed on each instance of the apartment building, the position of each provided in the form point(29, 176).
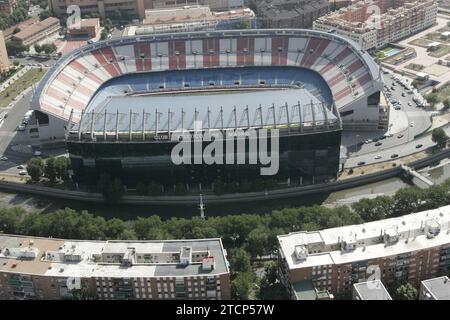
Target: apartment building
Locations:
point(413, 247)
point(7, 6)
point(47, 268)
point(135, 8)
point(37, 32)
point(289, 13)
point(192, 18)
point(370, 290)
point(87, 27)
point(435, 289)
point(4, 60)
point(375, 23)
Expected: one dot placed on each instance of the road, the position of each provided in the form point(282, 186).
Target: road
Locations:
point(406, 123)
point(10, 139)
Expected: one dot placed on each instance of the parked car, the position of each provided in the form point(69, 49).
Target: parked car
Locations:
point(21, 167)
point(22, 172)
point(411, 124)
point(400, 136)
point(21, 128)
point(378, 144)
point(419, 146)
point(394, 156)
point(37, 153)
point(361, 163)
point(377, 157)
point(4, 158)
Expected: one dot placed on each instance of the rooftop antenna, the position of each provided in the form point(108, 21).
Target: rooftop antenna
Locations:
point(202, 207)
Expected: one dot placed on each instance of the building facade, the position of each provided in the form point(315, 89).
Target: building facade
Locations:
point(51, 269)
point(88, 27)
point(290, 13)
point(375, 23)
point(135, 8)
point(410, 248)
point(193, 18)
point(4, 60)
point(38, 32)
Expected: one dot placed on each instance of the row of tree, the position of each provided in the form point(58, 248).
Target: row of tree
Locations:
point(52, 168)
point(47, 48)
point(246, 236)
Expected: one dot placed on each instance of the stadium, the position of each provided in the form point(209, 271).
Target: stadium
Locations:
point(116, 103)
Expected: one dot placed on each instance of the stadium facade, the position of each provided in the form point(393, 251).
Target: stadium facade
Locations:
point(117, 103)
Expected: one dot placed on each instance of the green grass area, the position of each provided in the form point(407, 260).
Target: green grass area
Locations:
point(7, 96)
point(442, 50)
point(421, 42)
point(444, 92)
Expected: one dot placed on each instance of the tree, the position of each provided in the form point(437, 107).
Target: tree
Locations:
point(35, 168)
point(257, 241)
point(16, 63)
point(374, 209)
point(37, 48)
point(44, 15)
point(405, 291)
point(446, 103)
point(439, 137)
point(16, 30)
point(14, 48)
point(62, 165)
point(154, 189)
point(141, 189)
point(111, 189)
point(180, 189)
point(432, 98)
point(240, 261)
point(241, 285)
point(50, 169)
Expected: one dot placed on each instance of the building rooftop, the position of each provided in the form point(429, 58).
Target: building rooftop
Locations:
point(389, 237)
point(35, 28)
point(439, 288)
point(371, 290)
point(65, 258)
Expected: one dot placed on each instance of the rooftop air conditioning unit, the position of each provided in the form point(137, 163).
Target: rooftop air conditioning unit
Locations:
point(301, 252)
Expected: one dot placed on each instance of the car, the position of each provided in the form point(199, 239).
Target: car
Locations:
point(389, 135)
point(392, 88)
point(377, 157)
point(360, 143)
point(382, 137)
point(409, 104)
point(397, 108)
point(394, 156)
point(5, 116)
point(368, 141)
point(378, 144)
point(403, 94)
point(419, 146)
point(37, 153)
point(411, 124)
point(400, 136)
point(21, 128)
point(4, 158)
point(22, 172)
point(361, 163)
point(375, 139)
point(21, 167)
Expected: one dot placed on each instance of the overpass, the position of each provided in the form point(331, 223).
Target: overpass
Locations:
point(412, 173)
